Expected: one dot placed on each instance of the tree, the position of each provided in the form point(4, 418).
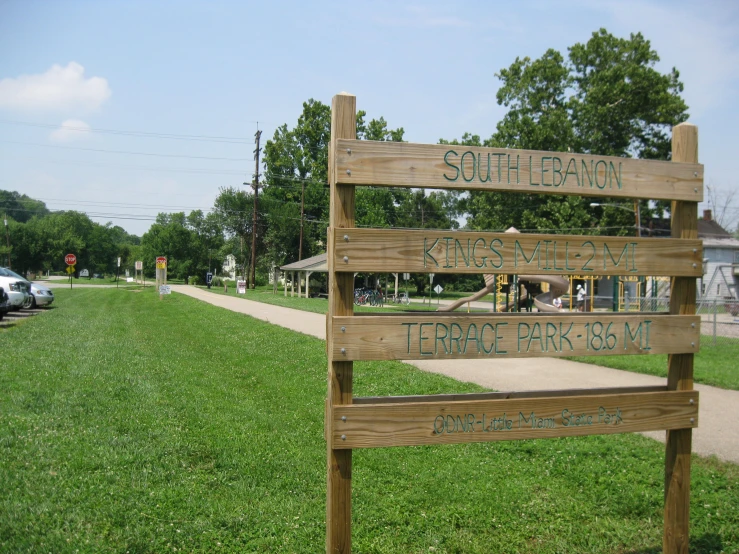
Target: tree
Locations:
point(20, 207)
point(233, 208)
point(296, 200)
point(170, 237)
point(608, 99)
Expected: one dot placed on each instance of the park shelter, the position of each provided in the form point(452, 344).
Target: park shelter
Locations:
point(304, 269)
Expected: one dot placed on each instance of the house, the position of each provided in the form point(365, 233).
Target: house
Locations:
point(229, 267)
point(720, 259)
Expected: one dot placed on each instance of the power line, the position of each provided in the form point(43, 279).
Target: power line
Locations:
point(187, 156)
point(203, 138)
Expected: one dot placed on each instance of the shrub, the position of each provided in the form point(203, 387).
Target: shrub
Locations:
point(195, 280)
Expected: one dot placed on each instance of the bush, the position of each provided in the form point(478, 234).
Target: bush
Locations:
point(195, 280)
point(216, 282)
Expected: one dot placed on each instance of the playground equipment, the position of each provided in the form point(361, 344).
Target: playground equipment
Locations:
point(544, 302)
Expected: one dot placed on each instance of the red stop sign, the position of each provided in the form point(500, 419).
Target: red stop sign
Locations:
point(70, 259)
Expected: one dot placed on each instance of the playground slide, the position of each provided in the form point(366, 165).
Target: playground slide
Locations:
point(543, 302)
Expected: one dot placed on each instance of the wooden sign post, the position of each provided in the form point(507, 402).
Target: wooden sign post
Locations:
point(444, 419)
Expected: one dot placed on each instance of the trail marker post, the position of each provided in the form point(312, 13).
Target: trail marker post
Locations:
point(484, 417)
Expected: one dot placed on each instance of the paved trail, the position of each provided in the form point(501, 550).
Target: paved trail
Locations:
point(716, 434)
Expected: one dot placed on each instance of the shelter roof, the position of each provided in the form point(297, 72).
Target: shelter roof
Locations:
point(314, 264)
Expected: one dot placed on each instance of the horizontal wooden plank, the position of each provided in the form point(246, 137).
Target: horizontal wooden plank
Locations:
point(502, 395)
point(404, 164)
point(433, 251)
point(444, 335)
point(409, 424)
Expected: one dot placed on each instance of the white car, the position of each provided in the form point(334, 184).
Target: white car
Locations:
point(17, 288)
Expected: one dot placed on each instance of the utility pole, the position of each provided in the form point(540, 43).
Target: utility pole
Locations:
point(7, 236)
point(253, 283)
point(302, 216)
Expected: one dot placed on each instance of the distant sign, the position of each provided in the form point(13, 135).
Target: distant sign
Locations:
point(240, 287)
point(438, 289)
point(139, 265)
point(70, 259)
point(161, 262)
point(208, 278)
point(70, 269)
point(84, 273)
point(164, 289)
point(406, 276)
point(129, 279)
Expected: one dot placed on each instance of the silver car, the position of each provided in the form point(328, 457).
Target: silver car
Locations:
point(41, 295)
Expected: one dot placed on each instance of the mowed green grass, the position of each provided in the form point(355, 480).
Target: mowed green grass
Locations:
point(134, 424)
point(712, 365)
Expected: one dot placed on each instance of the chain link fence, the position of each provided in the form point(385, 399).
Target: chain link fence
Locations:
point(719, 316)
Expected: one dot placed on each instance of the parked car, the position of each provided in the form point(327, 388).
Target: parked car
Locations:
point(17, 289)
point(4, 303)
point(41, 295)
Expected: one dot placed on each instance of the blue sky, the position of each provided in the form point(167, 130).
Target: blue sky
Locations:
point(215, 69)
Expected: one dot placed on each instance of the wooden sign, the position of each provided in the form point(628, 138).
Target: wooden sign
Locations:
point(417, 423)
point(403, 164)
point(424, 251)
point(472, 336)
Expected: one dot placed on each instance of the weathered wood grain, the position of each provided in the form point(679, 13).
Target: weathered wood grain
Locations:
point(431, 251)
point(403, 164)
point(437, 335)
point(409, 424)
point(676, 536)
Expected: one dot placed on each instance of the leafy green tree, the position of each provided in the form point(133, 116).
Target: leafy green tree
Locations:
point(20, 207)
point(295, 203)
point(170, 237)
point(233, 209)
point(607, 99)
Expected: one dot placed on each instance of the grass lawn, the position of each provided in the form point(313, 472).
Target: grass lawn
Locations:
point(713, 365)
point(134, 424)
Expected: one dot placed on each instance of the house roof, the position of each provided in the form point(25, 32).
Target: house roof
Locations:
point(314, 264)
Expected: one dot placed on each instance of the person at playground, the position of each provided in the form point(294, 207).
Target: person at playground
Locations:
point(557, 303)
point(581, 298)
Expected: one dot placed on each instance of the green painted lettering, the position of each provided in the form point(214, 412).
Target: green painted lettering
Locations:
point(563, 337)
point(612, 173)
point(421, 338)
point(518, 248)
point(410, 326)
point(605, 174)
point(498, 337)
point(458, 249)
point(486, 177)
point(607, 254)
point(535, 335)
point(471, 338)
point(550, 334)
point(500, 168)
point(441, 338)
point(454, 167)
point(473, 166)
point(525, 336)
point(590, 259)
point(586, 173)
point(474, 254)
point(543, 171)
point(531, 172)
point(557, 171)
point(426, 251)
point(510, 167)
point(571, 164)
point(493, 244)
point(481, 343)
point(457, 338)
point(447, 239)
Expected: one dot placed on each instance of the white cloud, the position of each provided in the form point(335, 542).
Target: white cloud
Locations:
point(70, 130)
point(59, 89)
